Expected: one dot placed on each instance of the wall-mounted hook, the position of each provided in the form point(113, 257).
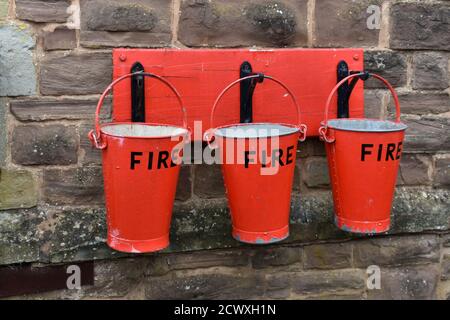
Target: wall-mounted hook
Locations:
point(137, 94)
point(343, 96)
point(345, 91)
point(247, 90)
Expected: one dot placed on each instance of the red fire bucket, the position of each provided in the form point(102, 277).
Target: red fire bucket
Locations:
point(141, 164)
point(258, 162)
point(363, 159)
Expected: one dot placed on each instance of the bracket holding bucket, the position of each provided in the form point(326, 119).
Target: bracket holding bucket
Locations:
point(247, 89)
point(345, 91)
point(201, 74)
point(137, 94)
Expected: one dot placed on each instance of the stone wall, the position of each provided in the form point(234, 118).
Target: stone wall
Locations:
point(55, 59)
point(412, 267)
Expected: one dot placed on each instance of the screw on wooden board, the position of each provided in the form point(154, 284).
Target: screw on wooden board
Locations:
point(356, 57)
point(123, 57)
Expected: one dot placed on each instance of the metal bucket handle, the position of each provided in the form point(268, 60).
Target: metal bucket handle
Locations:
point(208, 136)
point(324, 128)
point(95, 135)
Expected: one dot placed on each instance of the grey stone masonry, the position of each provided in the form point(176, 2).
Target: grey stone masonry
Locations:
point(61, 38)
point(17, 71)
point(264, 23)
point(44, 145)
point(418, 25)
point(430, 70)
point(137, 23)
point(42, 10)
point(76, 73)
point(344, 23)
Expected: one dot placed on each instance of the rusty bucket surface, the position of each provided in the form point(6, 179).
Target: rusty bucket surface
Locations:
point(258, 162)
point(141, 164)
point(363, 159)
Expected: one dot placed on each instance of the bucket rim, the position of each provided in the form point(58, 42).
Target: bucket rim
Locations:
point(398, 126)
point(292, 126)
point(149, 124)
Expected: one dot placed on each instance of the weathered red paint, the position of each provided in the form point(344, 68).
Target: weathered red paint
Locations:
point(200, 74)
point(139, 183)
point(363, 167)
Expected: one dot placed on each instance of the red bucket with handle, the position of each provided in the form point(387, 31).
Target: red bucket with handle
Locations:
point(258, 162)
point(141, 164)
point(363, 159)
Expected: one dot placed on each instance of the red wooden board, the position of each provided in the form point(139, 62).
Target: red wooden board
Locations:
point(200, 75)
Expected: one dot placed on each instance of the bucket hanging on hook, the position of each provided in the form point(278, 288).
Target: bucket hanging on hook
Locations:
point(141, 164)
point(258, 163)
point(363, 158)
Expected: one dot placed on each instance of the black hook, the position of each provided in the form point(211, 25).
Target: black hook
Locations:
point(247, 89)
point(364, 76)
point(137, 94)
point(345, 91)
